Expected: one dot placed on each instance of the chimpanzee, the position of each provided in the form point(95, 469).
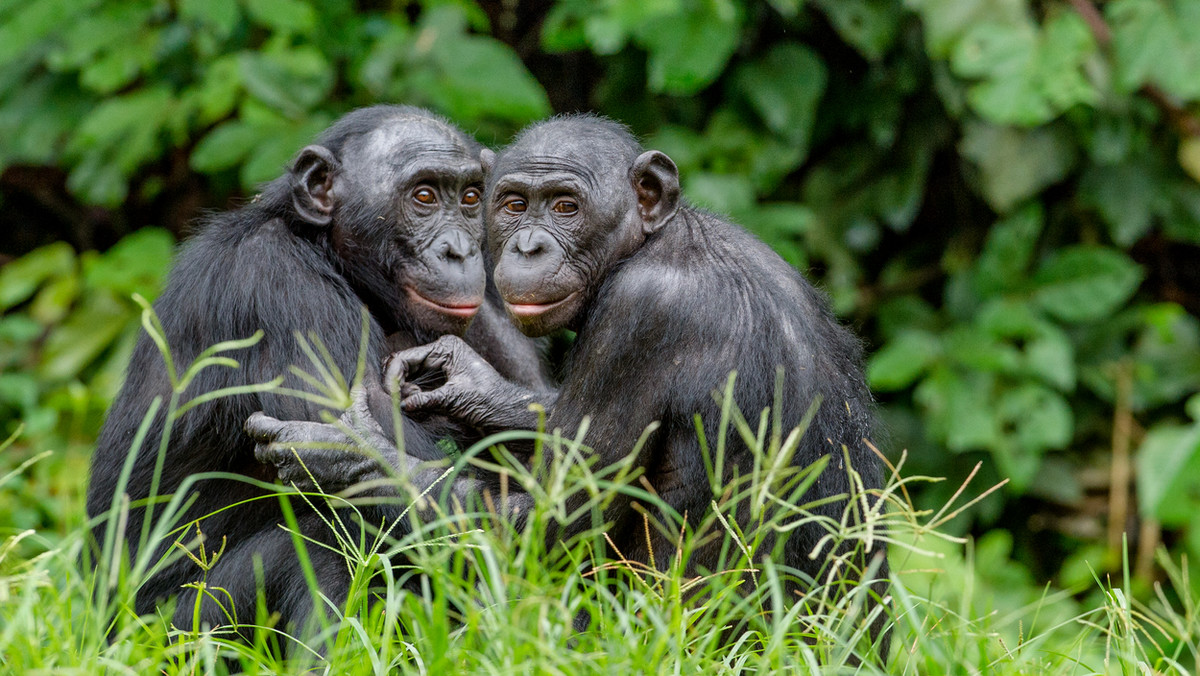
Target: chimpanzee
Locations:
point(384, 211)
point(588, 232)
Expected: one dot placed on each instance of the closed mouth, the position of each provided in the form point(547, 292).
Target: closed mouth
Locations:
point(466, 309)
point(535, 309)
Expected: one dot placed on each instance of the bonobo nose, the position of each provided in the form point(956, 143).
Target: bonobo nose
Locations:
point(530, 243)
point(456, 247)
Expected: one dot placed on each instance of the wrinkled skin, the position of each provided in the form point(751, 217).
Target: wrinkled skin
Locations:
point(382, 212)
point(588, 232)
point(357, 451)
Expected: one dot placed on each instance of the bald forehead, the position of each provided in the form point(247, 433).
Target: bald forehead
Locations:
point(405, 148)
point(401, 139)
point(585, 146)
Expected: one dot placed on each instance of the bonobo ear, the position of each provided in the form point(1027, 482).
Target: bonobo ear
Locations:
point(656, 181)
point(312, 184)
point(487, 158)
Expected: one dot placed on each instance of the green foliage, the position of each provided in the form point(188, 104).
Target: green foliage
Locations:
point(247, 82)
point(65, 338)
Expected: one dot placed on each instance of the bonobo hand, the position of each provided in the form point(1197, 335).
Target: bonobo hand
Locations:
point(471, 390)
point(328, 456)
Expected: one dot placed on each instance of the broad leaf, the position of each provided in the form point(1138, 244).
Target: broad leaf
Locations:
point(1086, 283)
point(784, 88)
point(688, 50)
point(902, 360)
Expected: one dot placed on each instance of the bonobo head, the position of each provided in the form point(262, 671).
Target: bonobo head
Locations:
point(567, 201)
point(399, 192)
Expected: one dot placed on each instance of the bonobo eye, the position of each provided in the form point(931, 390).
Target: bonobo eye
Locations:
point(516, 205)
point(565, 207)
point(471, 197)
point(424, 195)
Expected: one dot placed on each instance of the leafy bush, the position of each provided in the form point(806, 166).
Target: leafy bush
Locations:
point(1003, 195)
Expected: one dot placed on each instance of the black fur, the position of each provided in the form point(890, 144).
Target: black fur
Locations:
point(589, 232)
point(282, 265)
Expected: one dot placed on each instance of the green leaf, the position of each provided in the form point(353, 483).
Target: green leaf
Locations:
point(136, 264)
point(126, 128)
point(945, 21)
point(1065, 47)
point(35, 21)
point(53, 302)
point(93, 34)
point(868, 25)
point(19, 279)
point(274, 152)
point(292, 81)
point(1050, 357)
point(725, 193)
point(1086, 283)
point(96, 180)
point(902, 360)
point(959, 409)
point(1009, 247)
point(1015, 164)
point(1027, 76)
point(1125, 195)
point(226, 146)
point(903, 313)
point(1156, 42)
point(1040, 420)
point(784, 88)
point(688, 50)
point(976, 349)
point(1168, 474)
point(990, 49)
point(383, 66)
point(563, 30)
point(217, 93)
point(84, 336)
point(286, 16)
point(480, 77)
point(221, 16)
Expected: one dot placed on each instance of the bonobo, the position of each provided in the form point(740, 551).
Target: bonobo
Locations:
point(588, 232)
point(382, 212)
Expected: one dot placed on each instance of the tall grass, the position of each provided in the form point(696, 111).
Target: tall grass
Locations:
point(454, 588)
point(474, 595)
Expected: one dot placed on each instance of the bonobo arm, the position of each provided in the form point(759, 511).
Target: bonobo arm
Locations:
point(331, 456)
point(472, 390)
point(356, 449)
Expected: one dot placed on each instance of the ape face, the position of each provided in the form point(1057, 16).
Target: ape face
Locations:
point(566, 202)
point(404, 206)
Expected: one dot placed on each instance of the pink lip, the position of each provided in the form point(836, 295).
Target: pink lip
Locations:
point(465, 310)
point(535, 309)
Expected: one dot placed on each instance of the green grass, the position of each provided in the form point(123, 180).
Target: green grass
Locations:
point(470, 593)
point(490, 599)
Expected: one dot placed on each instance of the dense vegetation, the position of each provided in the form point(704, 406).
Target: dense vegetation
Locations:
point(1003, 196)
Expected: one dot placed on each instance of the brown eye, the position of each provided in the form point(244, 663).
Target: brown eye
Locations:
point(565, 207)
point(424, 196)
point(515, 205)
point(471, 197)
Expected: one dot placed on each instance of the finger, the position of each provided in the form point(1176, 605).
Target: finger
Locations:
point(262, 428)
point(273, 454)
point(424, 401)
point(398, 365)
point(395, 372)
